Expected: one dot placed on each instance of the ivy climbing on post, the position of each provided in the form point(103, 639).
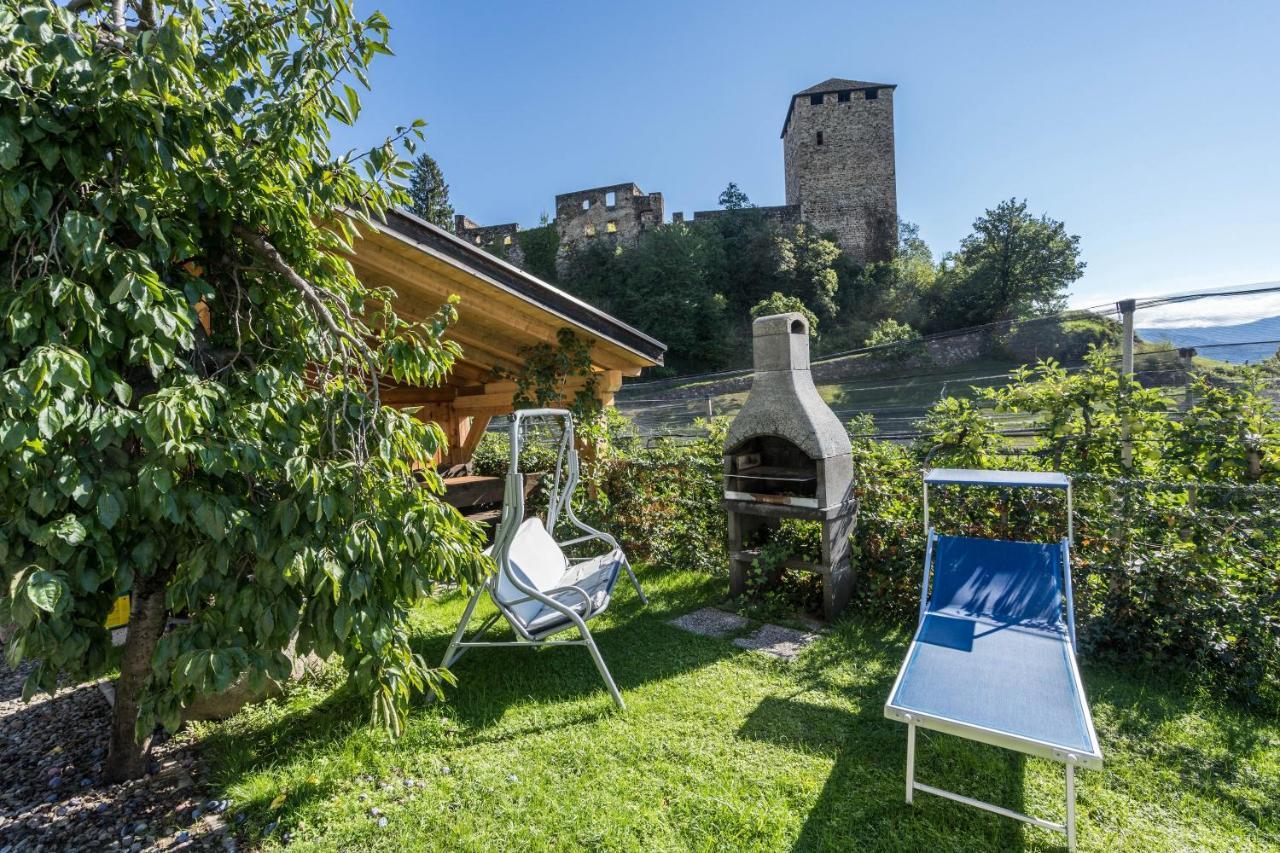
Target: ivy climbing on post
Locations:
point(545, 378)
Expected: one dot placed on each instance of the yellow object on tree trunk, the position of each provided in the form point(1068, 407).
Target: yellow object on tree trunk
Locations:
point(119, 615)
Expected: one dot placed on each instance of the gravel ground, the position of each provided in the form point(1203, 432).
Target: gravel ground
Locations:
point(51, 791)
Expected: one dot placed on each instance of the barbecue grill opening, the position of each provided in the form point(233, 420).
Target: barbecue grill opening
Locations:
point(771, 465)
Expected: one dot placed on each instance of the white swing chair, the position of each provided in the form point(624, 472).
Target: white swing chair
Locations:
point(537, 588)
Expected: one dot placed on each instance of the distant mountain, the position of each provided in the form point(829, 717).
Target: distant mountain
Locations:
point(1235, 343)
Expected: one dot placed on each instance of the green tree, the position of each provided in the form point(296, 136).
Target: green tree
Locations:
point(777, 303)
point(671, 292)
point(596, 272)
point(806, 262)
point(667, 285)
point(745, 247)
point(912, 276)
point(540, 246)
point(1080, 414)
point(956, 434)
point(1225, 432)
point(428, 192)
point(546, 370)
point(189, 369)
point(733, 198)
point(900, 288)
point(1013, 265)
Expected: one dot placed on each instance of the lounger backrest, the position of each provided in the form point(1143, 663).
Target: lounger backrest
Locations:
point(538, 561)
point(1009, 582)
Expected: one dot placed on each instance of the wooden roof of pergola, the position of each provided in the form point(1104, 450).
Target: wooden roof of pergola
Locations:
point(502, 310)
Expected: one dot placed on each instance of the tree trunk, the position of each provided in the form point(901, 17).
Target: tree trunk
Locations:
point(1254, 460)
point(127, 755)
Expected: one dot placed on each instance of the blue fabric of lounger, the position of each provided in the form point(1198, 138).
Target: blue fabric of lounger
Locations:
point(993, 650)
point(1007, 582)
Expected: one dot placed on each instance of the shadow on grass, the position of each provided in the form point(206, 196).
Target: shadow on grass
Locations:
point(635, 641)
point(1166, 718)
point(862, 804)
point(832, 707)
point(639, 647)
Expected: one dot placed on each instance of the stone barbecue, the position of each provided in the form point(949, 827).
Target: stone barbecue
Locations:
point(788, 456)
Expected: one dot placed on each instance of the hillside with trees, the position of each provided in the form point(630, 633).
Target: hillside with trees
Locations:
point(696, 286)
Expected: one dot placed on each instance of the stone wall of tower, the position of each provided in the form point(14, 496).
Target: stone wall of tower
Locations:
point(839, 161)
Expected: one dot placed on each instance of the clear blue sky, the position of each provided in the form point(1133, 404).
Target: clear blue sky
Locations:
point(1151, 128)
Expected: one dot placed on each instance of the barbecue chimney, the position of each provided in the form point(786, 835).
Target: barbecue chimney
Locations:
point(788, 456)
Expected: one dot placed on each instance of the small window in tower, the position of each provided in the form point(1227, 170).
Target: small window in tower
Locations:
point(872, 94)
point(611, 227)
point(842, 97)
point(819, 137)
point(590, 230)
point(586, 204)
point(611, 199)
point(815, 99)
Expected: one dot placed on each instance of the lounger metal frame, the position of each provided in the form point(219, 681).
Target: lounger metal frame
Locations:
point(912, 718)
point(560, 504)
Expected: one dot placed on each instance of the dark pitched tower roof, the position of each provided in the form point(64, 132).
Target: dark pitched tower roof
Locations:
point(835, 84)
point(832, 84)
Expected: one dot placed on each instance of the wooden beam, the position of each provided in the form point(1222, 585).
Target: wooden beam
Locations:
point(407, 395)
point(475, 431)
point(414, 270)
point(478, 403)
point(424, 273)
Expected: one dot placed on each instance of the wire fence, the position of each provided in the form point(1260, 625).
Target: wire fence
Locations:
point(1178, 338)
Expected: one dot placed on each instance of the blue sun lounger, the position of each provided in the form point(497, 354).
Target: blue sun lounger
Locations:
point(993, 658)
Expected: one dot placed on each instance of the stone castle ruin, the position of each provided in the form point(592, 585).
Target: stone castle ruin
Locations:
point(838, 161)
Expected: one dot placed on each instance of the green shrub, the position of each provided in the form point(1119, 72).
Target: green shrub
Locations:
point(663, 500)
point(1064, 340)
point(898, 340)
point(1165, 572)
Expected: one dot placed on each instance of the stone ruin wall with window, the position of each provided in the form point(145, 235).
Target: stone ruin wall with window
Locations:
point(618, 213)
point(838, 161)
point(501, 240)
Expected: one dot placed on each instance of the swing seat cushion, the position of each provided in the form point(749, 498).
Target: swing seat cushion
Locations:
point(539, 563)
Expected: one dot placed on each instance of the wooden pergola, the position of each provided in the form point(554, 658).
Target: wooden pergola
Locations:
point(502, 310)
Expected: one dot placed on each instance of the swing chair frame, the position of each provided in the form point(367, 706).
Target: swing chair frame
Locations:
point(564, 606)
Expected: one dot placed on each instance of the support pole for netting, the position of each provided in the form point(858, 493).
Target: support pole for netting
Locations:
point(1126, 307)
point(1186, 357)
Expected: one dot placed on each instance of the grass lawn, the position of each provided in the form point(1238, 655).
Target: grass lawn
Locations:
point(724, 749)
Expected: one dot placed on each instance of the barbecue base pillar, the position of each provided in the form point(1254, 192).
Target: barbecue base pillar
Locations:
point(837, 581)
point(837, 587)
point(746, 521)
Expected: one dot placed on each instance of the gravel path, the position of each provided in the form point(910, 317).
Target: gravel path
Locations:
point(51, 791)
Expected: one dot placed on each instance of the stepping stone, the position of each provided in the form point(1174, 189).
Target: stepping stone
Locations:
point(710, 622)
point(782, 643)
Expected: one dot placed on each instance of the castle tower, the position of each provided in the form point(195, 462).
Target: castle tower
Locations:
point(837, 147)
